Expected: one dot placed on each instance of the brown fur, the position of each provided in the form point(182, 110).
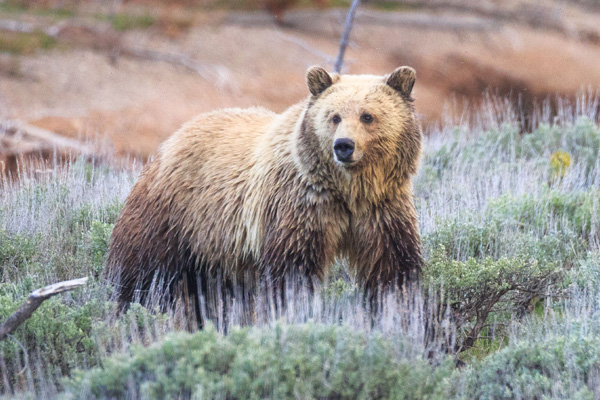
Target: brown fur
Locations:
point(237, 192)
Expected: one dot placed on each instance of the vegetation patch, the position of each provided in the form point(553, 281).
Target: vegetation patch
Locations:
point(61, 10)
point(124, 22)
point(284, 362)
point(13, 7)
point(557, 367)
point(575, 144)
point(395, 5)
point(509, 223)
point(25, 43)
point(477, 290)
point(550, 211)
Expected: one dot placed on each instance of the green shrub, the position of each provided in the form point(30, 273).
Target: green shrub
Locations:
point(549, 211)
point(55, 228)
point(57, 335)
point(477, 289)
point(98, 240)
point(339, 283)
point(487, 150)
point(581, 140)
point(68, 331)
point(284, 362)
point(438, 161)
point(463, 279)
point(549, 226)
point(586, 274)
point(553, 367)
point(17, 253)
point(465, 238)
point(483, 151)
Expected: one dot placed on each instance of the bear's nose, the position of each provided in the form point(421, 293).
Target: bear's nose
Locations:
point(343, 149)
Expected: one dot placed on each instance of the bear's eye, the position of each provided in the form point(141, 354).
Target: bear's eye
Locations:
point(336, 119)
point(366, 118)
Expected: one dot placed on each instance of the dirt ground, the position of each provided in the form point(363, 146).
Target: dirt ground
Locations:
point(135, 88)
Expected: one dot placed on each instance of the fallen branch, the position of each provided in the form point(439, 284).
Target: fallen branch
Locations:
point(35, 299)
point(53, 139)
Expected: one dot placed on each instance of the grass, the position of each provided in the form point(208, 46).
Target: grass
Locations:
point(25, 43)
point(511, 233)
point(11, 7)
point(19, 7)
point(124, 22)
point(395, 5)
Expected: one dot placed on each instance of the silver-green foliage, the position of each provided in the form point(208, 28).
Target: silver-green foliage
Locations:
point(284, 362)
point(554, 367)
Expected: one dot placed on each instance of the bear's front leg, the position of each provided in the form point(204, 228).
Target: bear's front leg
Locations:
point(302, 239)
point(386, 246)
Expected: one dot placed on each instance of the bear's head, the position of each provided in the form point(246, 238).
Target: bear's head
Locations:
point(361, 122)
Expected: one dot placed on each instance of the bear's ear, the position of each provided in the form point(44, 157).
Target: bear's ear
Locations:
point(402, 79)
point(318, 80)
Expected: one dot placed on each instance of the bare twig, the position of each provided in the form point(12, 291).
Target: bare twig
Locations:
point(35, 299)
point(345, 36)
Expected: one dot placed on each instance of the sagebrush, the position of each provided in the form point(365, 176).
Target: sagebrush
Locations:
point(510, 226)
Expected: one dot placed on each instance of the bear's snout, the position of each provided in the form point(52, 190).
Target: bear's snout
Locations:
point(343, 149)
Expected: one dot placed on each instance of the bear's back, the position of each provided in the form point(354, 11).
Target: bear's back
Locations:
point(206, 168)
point(216, 141)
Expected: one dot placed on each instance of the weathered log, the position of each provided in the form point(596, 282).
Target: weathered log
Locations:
point(35, 299)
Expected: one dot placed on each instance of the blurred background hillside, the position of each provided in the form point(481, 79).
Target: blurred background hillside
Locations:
point(131, 72)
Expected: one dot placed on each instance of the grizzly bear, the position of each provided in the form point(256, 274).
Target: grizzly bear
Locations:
point(240, 196)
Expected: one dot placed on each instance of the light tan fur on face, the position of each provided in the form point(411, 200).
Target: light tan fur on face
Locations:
point(388, 148)
point(250, 190)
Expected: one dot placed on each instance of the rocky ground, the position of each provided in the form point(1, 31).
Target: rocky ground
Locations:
point(132, 82)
